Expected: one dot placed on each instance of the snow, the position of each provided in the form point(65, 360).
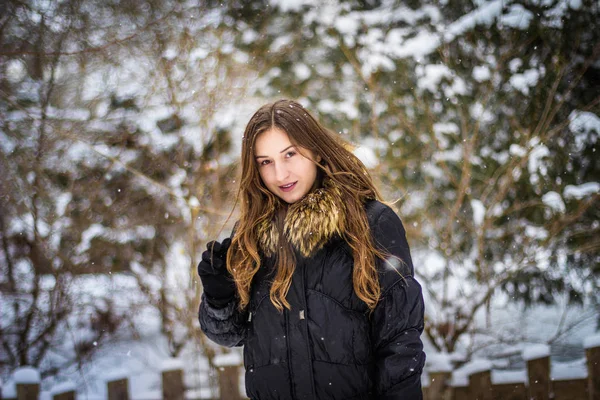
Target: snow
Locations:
point(591, 341)
point(116, 374)
point(431, 75)
point(484, 15)
point(536, 351)
point(302, 71)
point(63, 387)
point(501, 377)
point(171, 364)
point(26, 375)
point(518, 17)
point(582, 123)
point(9, 390)
point(460, 377)
point(439, 362)
point(233, 358)
point(478, 211)
point(561, 371)
point(291, 5)
point(422, 44)
point(522, 82)
point(554, 201)
point(580, 191)
point(481, 73)
point(367, 156)
point(517, 150)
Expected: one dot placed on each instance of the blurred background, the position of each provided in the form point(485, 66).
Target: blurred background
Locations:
point(120, 131)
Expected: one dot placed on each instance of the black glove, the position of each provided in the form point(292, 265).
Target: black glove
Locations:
point(218, 283)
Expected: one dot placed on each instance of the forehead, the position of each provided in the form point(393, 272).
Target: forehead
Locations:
point(271, 142)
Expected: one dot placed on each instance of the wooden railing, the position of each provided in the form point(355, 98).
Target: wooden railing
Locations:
point(173, 387)
point(537, 385)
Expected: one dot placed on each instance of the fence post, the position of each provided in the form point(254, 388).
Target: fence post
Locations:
point(172, 380)
point(480, 381)
point(538, 371)
point(440, 374)
point(439, 385)
point(70, 395)
point(229, 374)
point(118, 389)
point(64, 391)
point(592, 354)
point(27, 382)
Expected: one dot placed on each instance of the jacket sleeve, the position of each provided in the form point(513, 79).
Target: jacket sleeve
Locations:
point(226, 325)
point(397, 321)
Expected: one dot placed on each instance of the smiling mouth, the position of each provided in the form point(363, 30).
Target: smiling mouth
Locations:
point(288, 187)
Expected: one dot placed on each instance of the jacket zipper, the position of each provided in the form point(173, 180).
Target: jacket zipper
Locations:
point(304, 316)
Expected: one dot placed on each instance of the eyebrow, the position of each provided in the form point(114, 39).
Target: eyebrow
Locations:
point(279, 152)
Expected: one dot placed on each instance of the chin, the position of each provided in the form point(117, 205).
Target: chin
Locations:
point(290, 199)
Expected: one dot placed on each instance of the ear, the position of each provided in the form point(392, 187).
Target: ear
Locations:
point(318, 158)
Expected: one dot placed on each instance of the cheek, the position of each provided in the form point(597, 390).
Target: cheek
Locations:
point(264, 175)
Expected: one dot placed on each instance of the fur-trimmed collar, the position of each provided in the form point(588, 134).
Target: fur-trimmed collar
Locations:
point(309, 223)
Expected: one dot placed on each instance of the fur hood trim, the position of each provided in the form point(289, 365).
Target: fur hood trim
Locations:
point(309, 223)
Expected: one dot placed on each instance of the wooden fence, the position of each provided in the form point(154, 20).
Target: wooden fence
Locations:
point(173, 387)
point(538, 384)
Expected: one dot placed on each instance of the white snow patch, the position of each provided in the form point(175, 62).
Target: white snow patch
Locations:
point(26, 375)
point(347, 24)
point(536, 351)
point(534, 163)
point(517, 150)
point(536, 232)
point(484, 15)
point(439, 362)
point(171, 364)
point(478, 211)
point(554, 201)
point(454, 154)
point(591, 341)
point(116, 374)
point(302, 71)
point(522, 82)
point(228, 359)
point(9, 390)
point(481, 73)
point(460, 377)
point(291, 5)
point(417, 47)
point(561, 371)
point(431, 76)
point(63, 387)
point(581, 191)
point(367, 156)
point(581, 123)
point(500, 377)
point(518, 17)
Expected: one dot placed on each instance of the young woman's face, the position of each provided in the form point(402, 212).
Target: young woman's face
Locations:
point(286, 172)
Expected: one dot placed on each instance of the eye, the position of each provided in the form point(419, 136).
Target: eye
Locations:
point(290, 154)
point(263, 162)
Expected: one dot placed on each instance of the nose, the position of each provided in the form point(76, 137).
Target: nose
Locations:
point(281, 172)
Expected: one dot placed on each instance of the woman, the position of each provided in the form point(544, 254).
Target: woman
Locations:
point(317, 281)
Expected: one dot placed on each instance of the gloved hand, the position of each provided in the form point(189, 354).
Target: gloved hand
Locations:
point(218, 283)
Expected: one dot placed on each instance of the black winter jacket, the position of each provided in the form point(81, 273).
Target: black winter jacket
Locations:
point(328, 346)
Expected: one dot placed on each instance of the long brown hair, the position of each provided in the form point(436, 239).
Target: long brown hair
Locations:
point(257, 204)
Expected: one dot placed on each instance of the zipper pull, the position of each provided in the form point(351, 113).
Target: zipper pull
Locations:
point(301, 314)
point(249, 316)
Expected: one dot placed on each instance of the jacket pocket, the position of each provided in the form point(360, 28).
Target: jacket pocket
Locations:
point(339, 335)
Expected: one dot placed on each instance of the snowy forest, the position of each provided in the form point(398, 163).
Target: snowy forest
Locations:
point(120, 130)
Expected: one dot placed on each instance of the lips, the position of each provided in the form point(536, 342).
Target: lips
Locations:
point(288, 187)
